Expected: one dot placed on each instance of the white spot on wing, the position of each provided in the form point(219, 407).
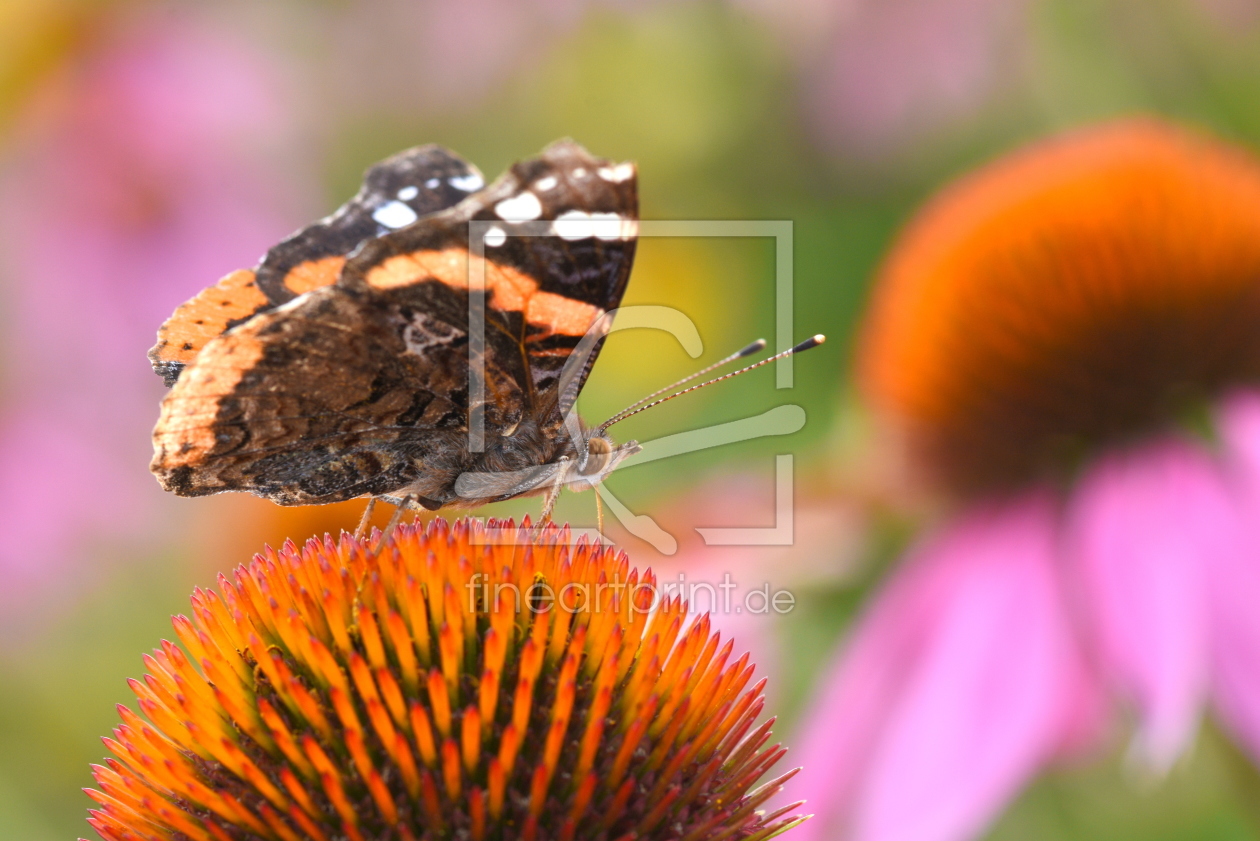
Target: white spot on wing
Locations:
point(467, 183)
point(520, 208)
point(547, 182)
point(618, 173)
point(409, 192)
point(610, 226)
point(580, 172)
point(395, 214)
point(495, 237)
point(432, 183)
point(578, 224)
point(572, 224)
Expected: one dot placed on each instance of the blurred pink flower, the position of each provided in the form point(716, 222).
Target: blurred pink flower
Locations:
point(147, 168)
point(880, 74)
point(443, 56)
point(1040, 333)
point(1237, 16)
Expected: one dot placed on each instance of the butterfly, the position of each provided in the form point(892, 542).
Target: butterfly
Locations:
point(386, 351)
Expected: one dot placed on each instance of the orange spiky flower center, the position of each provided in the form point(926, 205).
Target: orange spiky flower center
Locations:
point(1080, 293)
point(464, 681)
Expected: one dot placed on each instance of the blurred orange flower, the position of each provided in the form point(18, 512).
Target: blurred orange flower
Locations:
point(1069, 340)
point(1086, 292)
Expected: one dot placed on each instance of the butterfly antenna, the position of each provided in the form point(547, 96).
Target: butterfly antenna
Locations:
point(812, 342)
point(755, 347)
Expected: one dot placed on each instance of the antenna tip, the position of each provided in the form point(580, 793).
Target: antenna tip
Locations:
point(811, 342)
point(755, 347)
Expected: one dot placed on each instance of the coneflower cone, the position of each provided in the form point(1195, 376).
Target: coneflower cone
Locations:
point(460, 681)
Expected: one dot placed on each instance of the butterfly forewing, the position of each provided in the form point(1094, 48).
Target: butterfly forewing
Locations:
point(396, 192)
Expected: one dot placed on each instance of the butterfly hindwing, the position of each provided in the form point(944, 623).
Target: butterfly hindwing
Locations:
point(316, 402)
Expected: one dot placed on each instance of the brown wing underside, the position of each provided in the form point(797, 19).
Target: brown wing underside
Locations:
point(321, 402)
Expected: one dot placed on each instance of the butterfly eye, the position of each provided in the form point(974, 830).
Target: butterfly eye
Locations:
point(598, 451)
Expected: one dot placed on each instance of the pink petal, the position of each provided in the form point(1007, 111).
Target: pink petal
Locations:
point(1234, 582)
point(1238, 423)
point(1142, 527)
point(961, 681)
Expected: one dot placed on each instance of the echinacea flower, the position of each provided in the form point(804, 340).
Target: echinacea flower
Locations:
point(455, 681)
point(1069, 342)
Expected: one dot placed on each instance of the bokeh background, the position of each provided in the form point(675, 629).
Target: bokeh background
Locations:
point(147, 148)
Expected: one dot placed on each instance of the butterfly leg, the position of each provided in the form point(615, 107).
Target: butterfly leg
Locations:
point(366, 518)
point(554, 493)
point(397, 516)
point(599, 515)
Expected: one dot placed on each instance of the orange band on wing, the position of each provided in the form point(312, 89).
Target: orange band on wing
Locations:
point(509, 288)
point(206, 316)
point(558, 314)
point(185, 429)
point(313, 274)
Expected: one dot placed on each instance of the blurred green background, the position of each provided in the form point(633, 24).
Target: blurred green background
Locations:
point(150, 147)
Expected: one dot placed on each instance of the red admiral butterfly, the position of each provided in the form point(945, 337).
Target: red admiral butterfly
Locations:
point(340, 366)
